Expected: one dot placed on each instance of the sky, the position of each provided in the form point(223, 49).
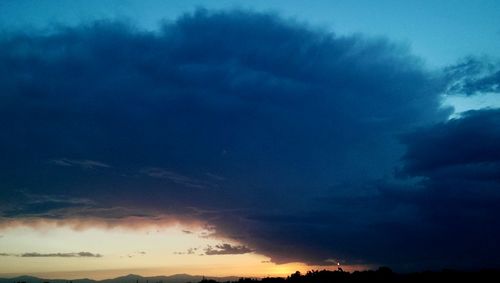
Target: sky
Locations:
point(248, 138)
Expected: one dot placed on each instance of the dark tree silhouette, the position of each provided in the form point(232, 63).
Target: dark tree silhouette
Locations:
point(382, 274)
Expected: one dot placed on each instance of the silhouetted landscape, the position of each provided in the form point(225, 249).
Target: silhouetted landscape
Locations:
point(382, 274)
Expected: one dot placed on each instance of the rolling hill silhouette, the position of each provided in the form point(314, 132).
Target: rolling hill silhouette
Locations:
point(131, 278)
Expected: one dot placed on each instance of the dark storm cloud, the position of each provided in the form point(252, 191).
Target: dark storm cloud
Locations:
point(459, 163)
point(473, 75)
point(281, 136)
point(466, 143)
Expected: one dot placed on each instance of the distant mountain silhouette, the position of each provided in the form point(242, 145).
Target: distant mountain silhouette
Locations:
point(131, 278)
point(177, 278)
point(383, 274)
point(32, 279)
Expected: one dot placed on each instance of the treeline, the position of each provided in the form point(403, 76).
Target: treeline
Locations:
point(383, 274)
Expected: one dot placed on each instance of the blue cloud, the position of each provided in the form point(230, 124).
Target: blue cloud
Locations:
point(279, 134)
point(471, 140)
point(473, 75)
point(457, 163)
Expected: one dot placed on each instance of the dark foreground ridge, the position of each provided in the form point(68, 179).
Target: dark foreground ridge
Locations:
point(383, 274)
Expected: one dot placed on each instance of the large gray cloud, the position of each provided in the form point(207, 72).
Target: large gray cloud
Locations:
point(273, 131)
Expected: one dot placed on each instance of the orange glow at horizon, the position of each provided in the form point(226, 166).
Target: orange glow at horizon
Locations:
point(150, 251)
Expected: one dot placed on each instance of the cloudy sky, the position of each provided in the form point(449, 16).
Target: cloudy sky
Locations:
point(248, 138)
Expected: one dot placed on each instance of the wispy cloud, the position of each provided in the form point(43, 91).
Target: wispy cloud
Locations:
point(161, 173)
point(134, 254)
point(473, 75)
point(35, 254)
point(265, 261)
point(80, 254)
point(83, 163)
point(190, 251)
point(215, 176)
point(33, 198)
